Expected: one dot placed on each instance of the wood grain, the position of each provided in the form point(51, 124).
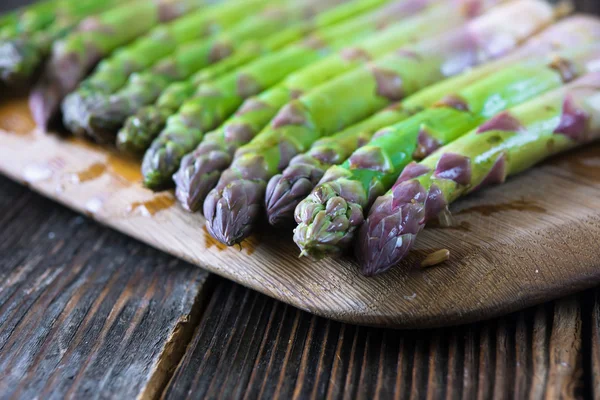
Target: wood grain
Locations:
point(245, 344)
point(86, 312)
point(528, 241)
point(248, 346)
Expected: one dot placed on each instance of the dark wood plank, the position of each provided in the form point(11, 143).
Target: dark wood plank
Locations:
point(85, 311)
point(594, 340)
point(532, 354)
point(565, 370)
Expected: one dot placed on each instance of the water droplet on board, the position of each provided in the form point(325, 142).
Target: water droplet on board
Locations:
point(16, 118)
point(37, 172)
point(94, 171)
point(94, 205)
point(210, 242)
point(127, 169)
point(151, 207)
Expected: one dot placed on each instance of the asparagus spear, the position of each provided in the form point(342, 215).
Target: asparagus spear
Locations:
point(112, 73)
point(508, 144)
point(30, 19)
point(94, 38)
point(233, 206)
point(201, 169)
point(104, 114)
point(141, 128)
point(371, 170)
point(9, 21)
point(167, 51)
point(185, 130)
point(21, 55)
point(296, 182)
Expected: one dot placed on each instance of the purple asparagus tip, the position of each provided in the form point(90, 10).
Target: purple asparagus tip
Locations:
point(60, 77)
point(285, 191)
point(231, 212)
point(391, 228)
point(198, 175)
point(43, 103)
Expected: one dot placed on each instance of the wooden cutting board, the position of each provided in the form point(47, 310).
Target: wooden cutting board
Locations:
point(533, 239)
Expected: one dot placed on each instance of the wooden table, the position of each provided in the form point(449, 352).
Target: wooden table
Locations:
point(86, 312)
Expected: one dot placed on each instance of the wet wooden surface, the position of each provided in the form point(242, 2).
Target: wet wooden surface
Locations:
point(530, 240)
point(86, 312)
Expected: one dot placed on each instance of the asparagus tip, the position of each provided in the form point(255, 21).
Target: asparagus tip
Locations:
point(17, 59)
point(315, 249)
point(388, 234)
point(285, 192)
point(231, 212)
point(198, 174)
point(155, 181)
point(326, 222)
point(139, 130)
point(42, 105)
point(75, 109)
point(157, 168)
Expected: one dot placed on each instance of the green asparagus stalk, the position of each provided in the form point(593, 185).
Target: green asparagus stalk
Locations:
point(8, 24)
point(94, 38)
point(233, 206)
point(22, 55)
point(9, 21)
point(201, 169)
point(371, 170)
point(508, 144)
point(296, 182)
point(143, 127)
point(185, 130)
point(174, 49)
point(106, 114)
point(30, 19)
point(113, 72)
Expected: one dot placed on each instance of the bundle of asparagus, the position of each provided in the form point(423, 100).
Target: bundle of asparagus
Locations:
point(214, 103)
point(201, 169)
point(371, 170)
point(232, 208)
point(94, 38)
point(101, 116)
point(26, 41)
point(509, 143)
point(361, 118)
